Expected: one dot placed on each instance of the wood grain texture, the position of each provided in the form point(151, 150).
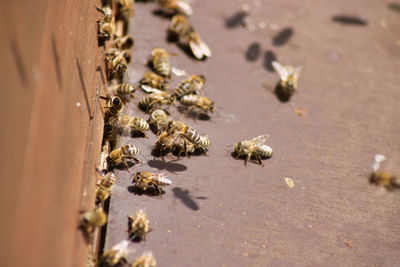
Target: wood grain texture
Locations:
point(53, 130)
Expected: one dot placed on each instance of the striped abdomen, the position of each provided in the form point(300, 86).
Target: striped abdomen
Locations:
point(139, 123)
point(130, 150)
point(161, 65)
point(264, 150)
point(192, 135)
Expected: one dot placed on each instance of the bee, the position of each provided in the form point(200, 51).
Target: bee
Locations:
point(120, 89)
point(133, 123)
point(124, 42)
point(146, 180)
point(159, 120)
point(179, 25)
point(253, 148)
point(104, 186)
point(166, 141)
point(138, 225)
point(192, 85)
point(160, 60)
point(198, 47)
point(117, 61)
point(388, 180)
point(288, 79)
point(116, 256)
point(113, 108)
point(187, 132)
point(156, 97)
point(126, 9)
point(118, 156)
point(196, 101)
point(106, 25)
point(154, 81)
point(182, 145)
point(93, 218)
point(176, 6)
point(145, 260)
point(107, 12)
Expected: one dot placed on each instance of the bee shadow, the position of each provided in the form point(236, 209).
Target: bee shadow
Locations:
point(193, 114)
point(184, 196)
point(235, 20)
point(253, 52)
point(167, 165)
point(269, 56)
point(149, 192)
point(282, 37)
point(162, 13)
point(350, 20)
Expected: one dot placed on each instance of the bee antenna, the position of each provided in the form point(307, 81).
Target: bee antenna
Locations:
point(100, 10)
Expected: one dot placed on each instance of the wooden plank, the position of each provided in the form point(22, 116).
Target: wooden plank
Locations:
point(54, 130)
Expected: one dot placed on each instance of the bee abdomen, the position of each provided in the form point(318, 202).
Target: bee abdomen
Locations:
point(130, 150)
point(189, 99)
point(204, 141)
point(125, 89)
point(192, 135)
point(140, 124)
point(183, 89)
point(145, 101)
point(265, 151)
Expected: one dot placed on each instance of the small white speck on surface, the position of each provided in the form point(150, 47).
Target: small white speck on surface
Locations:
point(78, 104)
point(378, 159)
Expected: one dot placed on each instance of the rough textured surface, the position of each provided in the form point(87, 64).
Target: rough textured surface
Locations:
point(51, 129)
point(218, 212)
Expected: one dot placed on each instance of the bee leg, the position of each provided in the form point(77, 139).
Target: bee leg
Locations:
point(125, 164)
point(248, 158)
point(259, 159)
point(137, 161)
point(157, 188)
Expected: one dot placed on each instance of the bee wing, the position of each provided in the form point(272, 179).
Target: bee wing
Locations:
point(281, 70)
point(178, 72)
point(162, 178)
point(200, 49)
point(149, 89)
point(184, 7)
point(296, 73)
point(260, 139)
point(124, 248)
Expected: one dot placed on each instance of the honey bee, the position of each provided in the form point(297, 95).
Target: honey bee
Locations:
point(107, 12)
point(179, 25)
point(126, 9)
point(146, 180)
point(182, 145)
point(106, 25)
point(385, 179)
point(254, 147)
point(113, 108)
point(133, 123)
point(104, 186)
point(116, 256)
point(160, 60)
point(166, 141)
point(123, 43)
point(288, 79)
point(154, 81)
point(196, 101)
point(120, 89)
point(198, 47)
point(138, 225)
point(176, 6)
point(145, 260)
point(192, 85)
point(156, 97)
point(117, 61)
point(118, 156)
point(92, 219)
point(159, 120)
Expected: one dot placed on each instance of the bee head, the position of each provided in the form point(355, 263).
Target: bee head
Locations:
point(136, 177)
point(116, 101)
point(129, 42)
point(238, 147)
point(127, 57)
point(212, 106)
